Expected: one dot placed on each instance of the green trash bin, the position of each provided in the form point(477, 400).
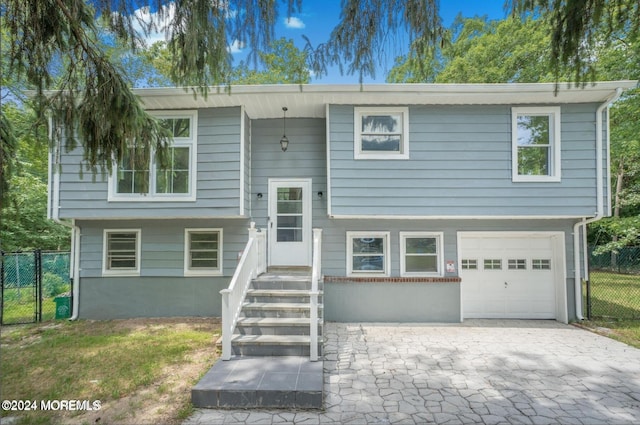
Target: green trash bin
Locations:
point(63, 306)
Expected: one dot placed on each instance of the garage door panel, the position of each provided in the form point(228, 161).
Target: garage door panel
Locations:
point(506, 284)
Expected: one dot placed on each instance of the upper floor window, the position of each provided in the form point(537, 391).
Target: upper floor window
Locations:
point(535, 143)
point(149, 179)
point(381, 133)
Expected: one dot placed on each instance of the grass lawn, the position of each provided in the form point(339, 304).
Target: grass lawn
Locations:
point(141, 370)
point(614, 295)
point(22, 310)
point(615, 306)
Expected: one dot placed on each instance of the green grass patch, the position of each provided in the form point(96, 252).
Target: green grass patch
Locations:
point(104, 361)
point(627, 331)
point(614, 295)
point(19, 306)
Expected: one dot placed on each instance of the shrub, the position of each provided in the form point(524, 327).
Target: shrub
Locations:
point(53, 285)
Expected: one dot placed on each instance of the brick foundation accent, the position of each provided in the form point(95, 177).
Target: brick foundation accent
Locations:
point(437, 279)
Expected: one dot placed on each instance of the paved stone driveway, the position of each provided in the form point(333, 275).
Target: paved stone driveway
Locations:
point(479, 372)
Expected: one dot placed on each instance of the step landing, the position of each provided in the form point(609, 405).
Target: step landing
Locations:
point(270, 382)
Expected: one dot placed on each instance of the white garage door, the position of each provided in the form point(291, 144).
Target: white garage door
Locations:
point(508, 276)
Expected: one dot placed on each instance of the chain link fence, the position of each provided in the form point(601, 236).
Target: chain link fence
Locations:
point(613, 289)
point(34, 285)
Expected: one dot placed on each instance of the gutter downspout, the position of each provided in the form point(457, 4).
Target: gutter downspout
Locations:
point(53, 211)
point(600, 203)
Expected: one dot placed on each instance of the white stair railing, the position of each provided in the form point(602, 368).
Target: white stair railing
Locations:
point(313, 295)
point(252, 262)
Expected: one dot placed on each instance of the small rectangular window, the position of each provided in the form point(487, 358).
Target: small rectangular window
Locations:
point(203, 252)
point(121, 252)
point(381, 133)
point(421, 254)
point(469, 264)
point(493, 264)
point(536, 144)
point(368, 253)
point(174, 176)
point(518, 264)
point(541, 264)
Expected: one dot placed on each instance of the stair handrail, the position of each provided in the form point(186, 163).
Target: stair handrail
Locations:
point(252, 262)
point(316, 274)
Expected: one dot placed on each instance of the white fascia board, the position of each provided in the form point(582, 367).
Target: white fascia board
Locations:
point(455, 217)
point(265, 101)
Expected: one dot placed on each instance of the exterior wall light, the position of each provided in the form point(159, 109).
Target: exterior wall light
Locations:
point(284, 141)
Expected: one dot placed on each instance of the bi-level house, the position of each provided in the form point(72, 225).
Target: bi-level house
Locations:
point(436, 202)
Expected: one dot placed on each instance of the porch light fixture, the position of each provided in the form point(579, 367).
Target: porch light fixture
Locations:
point(284, 141)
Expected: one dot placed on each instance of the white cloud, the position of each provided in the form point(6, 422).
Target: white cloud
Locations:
point(294, 23)
point(143, 16)
point(236, 46)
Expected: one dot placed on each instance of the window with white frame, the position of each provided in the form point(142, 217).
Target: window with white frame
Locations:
point(421, 254)
point(121, 252)
point(535, 142)
point(381, 133)
point(151, 179)
point(368, 253)
point(203, 252)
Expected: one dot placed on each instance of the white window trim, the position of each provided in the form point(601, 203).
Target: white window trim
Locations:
point(439, 253)
point(121, 272)
point(191, 142)
point(357, 129)
point(203, 272)
point(554, 112)
point(387, 254)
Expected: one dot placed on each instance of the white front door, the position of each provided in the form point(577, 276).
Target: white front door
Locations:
point(290, 222)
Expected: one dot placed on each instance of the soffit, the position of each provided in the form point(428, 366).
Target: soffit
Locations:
point(266, 101)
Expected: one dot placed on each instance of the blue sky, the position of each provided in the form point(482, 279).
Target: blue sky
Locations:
point(318, 17)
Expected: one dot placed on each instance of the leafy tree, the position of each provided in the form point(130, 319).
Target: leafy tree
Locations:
point(24, 224)
point(55, 44)
point(283, 64)
point(479, 50)
point(579, 28)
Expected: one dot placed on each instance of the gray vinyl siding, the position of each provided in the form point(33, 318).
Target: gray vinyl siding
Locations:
point(162, 247)
point(161, 289)
point(460, 165)
point(409, 301)
point(305, 158)
point(85, 196)
point(247, 166)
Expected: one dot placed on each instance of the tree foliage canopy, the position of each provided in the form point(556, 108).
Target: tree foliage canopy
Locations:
point(55, 45)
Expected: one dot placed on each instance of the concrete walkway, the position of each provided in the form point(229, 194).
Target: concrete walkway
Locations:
point(479, 372)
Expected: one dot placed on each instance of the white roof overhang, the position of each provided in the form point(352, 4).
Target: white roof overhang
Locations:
point(310, 100)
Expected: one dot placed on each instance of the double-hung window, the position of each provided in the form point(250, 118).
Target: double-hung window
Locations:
point(368, 254)
point(535, 144)
point(149, 179)
point(121, 252)
point(421, 254)
point(203, 252)
point(381, 133)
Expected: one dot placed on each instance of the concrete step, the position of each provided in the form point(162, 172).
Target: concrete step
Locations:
point(278, 306)
point(279, 292)
point(275, 326)
point(255, 382)
point(278, 309)
point(291, 283)
point(272, 345)
point(280, 295)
